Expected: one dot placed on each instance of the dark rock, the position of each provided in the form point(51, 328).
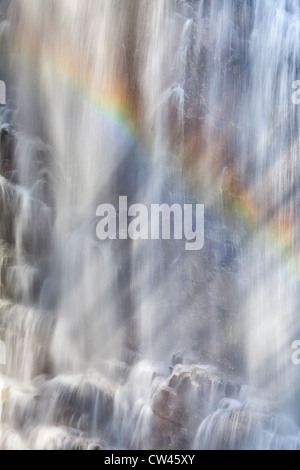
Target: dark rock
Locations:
point(7, 149)
point(9, 201)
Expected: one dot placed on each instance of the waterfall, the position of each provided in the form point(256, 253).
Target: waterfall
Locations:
point(139, 343)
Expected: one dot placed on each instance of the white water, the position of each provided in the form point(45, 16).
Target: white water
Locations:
point(90, 328)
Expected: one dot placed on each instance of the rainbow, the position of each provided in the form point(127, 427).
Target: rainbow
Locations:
point(114, 104)
point(110, 99)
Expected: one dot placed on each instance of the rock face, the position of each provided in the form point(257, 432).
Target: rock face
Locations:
point(196, 404)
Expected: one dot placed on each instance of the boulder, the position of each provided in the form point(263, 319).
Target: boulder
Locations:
point(180, 406)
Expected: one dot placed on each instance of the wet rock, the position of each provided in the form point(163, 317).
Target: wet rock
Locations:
point(170, 417)
point(7, 148)
point(9, 201)
point(6, 261)
point(178, 358)
point(180, 407)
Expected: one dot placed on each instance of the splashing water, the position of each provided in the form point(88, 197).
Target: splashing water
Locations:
point(137, 343)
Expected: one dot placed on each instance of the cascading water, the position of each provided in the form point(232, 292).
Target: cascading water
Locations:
point(140, 343)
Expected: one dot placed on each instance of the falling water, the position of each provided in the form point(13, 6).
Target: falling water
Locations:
point(139, 343)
